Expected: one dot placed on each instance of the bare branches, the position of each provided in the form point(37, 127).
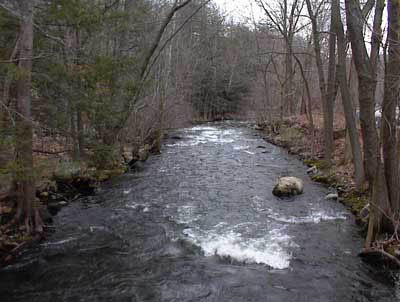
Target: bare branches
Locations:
point(167, 20)
point(173, 35)
point(286, 19)
point(11, 11)
point(47, 35)
point(367, 8)
point(272, 16)
point(50, 152)
point(24, 59)
point(285, 53)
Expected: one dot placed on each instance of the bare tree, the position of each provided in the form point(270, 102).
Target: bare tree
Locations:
point(286, 21)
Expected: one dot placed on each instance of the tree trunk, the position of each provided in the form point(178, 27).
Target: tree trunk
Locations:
point(376, 34)
point(307, 67)
point(330, 95)
point(381, 214)
point(346, 99)
point(307, 90)
point(327, 113)
point(7, 86)
point(379, 194)
point(391, 93)
point(70, 49)
point(288, 87)
point(81, 135)
point(27, 210)
point(124, 36)
point(367, 86)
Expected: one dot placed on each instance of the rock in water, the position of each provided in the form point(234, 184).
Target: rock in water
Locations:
point(288, 186)
point(312, 170)
point(332, 196)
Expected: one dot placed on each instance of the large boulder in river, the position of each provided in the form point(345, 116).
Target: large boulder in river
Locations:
point(288, 186)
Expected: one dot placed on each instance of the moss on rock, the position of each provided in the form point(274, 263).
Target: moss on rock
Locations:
point(329, 179)
point(356, 201)
point(318, 163)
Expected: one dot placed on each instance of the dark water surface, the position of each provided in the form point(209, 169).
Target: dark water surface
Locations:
point(199, 223)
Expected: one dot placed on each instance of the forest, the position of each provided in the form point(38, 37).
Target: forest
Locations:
point(91, 88)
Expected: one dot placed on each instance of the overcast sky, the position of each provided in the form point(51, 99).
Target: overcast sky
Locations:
point(240, 9)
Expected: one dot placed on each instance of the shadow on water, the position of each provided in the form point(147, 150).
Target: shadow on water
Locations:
point(199, 223)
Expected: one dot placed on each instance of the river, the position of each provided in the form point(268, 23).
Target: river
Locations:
point(199, 223)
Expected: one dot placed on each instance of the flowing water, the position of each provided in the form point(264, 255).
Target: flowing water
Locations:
point(199, 223)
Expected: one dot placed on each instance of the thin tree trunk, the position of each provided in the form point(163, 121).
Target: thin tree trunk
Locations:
point(267, 99)
point(328, 127)
point(346, 99)
point(330, 95)
point(306, 104)
point(124, 36)
point(81, 137)
point(308, 91)
point(288, 86)
point(70, 59)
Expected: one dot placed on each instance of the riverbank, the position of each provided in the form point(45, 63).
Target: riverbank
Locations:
point(294, 135)
point(59, 182)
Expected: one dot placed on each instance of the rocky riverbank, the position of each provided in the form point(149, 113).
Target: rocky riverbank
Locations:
point(63, 182)
point(295, 135)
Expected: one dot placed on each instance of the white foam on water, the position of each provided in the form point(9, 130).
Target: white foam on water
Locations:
point(239, 148)
point(224, 136)
point(96, 228)
point(187, 214)
point(181, 144)
point(259, 204)
point(221, 224)
point(315, 216)
point(138, 205)
point(201, 128)
point(60, 241)
point(270, 250)
point(206, 135)
point(252, 153)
